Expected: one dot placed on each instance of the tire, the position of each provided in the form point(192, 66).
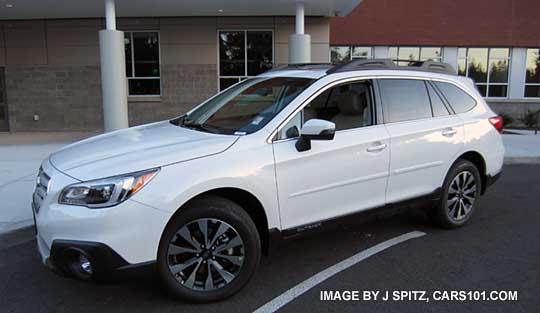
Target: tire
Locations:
point(232, 258)
point(460, 195)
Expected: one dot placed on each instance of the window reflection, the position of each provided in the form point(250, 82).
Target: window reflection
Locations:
point(415, 54)
point(231, 53)
point(243, 54)
point(146, 57)
point(361, 53)
point(498, 71)
point(407, 53)
point(488, 67)
point(340, 54)
point(532, 75)
point(259, 52)
point(129, 57)
point(430, 53)
point(142, 62)
point(477, 59)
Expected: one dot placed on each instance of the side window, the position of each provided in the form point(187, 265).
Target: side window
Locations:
point(292, 128)
point(348, 106)
point(458, 99)
point(438, 107)
point(404, 100)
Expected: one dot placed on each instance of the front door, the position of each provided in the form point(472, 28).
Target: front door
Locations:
point(335, 177)
point(4, 126)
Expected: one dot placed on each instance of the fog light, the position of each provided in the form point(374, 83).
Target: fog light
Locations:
point(78, 264)
point(85, 265)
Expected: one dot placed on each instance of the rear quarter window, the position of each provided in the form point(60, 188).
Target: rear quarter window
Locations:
point(458, 99)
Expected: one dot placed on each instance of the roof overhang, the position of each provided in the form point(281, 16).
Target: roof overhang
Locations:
point(40, 9)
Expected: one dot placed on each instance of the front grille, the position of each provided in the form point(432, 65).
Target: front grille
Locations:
point(42, 187)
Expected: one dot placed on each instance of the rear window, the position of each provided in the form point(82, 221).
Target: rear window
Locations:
point(404, 100)
point(458, 99)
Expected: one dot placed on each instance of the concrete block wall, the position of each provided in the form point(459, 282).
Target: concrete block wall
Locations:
point(52, 66)
point(63, 97)
point(516, 109)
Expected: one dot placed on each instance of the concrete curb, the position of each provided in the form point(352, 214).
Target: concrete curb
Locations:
point(522, 160)
point(16, 226)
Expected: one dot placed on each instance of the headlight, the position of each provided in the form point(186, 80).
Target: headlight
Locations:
point(106, 192)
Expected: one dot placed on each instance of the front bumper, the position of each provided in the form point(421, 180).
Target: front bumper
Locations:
point(114, 237)
point(63, 258)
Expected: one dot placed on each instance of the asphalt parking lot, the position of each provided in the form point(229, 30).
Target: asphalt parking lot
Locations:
point(499, 250)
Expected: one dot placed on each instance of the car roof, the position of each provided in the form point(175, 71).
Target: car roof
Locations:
point(315, 74)
point(429, 69)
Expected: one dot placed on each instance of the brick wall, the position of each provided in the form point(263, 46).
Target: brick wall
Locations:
point(442, 23)
point(183, 87)
point(64, 97)
point(52, 66)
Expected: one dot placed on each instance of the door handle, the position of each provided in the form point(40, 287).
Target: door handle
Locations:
point(449, 132)
point(377, 148)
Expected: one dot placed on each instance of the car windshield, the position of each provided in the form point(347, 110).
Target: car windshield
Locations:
point(246, 107)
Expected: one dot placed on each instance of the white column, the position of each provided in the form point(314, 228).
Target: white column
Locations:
point(113, 73)
point(299, 18)
point(380, 52)
point(450, 56)
point(110, 15)
point(518, 67)
point(299, 43)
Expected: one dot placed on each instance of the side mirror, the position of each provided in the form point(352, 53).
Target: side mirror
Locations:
point(315, 129)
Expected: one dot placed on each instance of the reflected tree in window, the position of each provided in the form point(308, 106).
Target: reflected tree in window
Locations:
point(532, 75)
point(488, 67)
point(259, 52)
point(244, 54)
point(533, 66)
point(340, 54)
point(142, 63)
point(231, 53)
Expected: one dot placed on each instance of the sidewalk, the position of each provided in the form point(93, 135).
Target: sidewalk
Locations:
point(523, 147)
point(20, 157)
point(22, 153)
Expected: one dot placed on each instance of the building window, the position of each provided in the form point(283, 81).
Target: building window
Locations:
point(488, 67)
point(532, 76)
point(244, 54)
point(415, 54)
point(362, 52)
point(142, 63)
point(343, 54)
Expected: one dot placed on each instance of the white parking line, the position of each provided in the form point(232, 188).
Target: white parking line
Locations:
point(318, 278)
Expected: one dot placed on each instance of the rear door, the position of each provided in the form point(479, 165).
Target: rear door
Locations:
point(425, 137)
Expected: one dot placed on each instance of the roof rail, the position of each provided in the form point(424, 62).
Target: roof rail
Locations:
point(302, 66)
point(390, 64)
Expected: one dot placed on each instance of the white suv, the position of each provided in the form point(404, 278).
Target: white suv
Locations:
point(203, 195)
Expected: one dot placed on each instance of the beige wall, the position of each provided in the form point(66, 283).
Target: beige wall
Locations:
point(52, 66)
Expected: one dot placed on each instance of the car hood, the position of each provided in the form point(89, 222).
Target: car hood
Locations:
point(137, 148)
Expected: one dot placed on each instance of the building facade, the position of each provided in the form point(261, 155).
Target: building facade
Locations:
point(51, 75)
point(494, 42)
point(51, 67)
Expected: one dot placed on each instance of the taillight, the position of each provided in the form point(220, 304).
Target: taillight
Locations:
point(497, 122)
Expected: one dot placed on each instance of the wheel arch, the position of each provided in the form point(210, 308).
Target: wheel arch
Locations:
point(479, 161)
point(247, 201)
